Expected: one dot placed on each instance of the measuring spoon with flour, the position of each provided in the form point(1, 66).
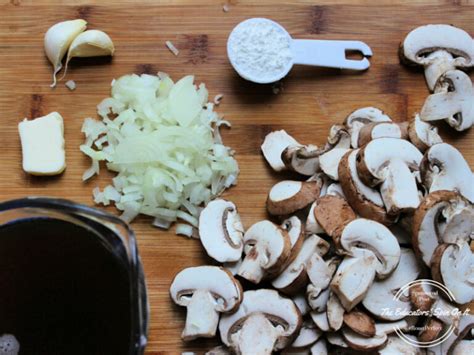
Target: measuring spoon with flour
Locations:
point(262, 51)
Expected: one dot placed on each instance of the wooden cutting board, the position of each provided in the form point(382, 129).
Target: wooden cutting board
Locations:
point(310, 101)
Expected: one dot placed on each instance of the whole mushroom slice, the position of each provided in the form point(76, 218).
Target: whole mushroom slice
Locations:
point(288, 196)
point(360, 322)
point(266, 248)
point(380, 300)
point(221, 231)
point(376, 130)
point(423, 135)
point(294, 277)
point(453, 101)
point(389, 162)
point(364, 234)
point(396, 345)
point(444, 168)
point(443, 216)
point(275, 319)
point(364, 200)
point(360, 342)
point(205, 291)
point(438, 48)
point(453, 265)
point(309, 334)
point(359, 118)
point(273, 146)
point(333, 213)
point(353, 278)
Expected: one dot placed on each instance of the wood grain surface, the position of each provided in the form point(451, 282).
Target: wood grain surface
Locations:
point(310, 102)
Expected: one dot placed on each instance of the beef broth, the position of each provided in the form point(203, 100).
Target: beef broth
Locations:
point(62, 290)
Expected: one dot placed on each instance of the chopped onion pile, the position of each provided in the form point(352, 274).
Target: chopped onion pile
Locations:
point(163, 141)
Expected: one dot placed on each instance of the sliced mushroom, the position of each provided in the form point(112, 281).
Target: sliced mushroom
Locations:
point(336, 339)
point(380, 299)
point(466, 324)
point(302, 159)
point(301, 303)
point(335, 312)
point(364, 234)
point(422, 134)
point(275, 319)
point(359, 342)
point(464, 347)
point(317, 299)
point(330, 162)
point(205, 291)
point(321, 320)
point(360, 322)
point(333, 213)
point(295, 229)
point(274, 145)
point(376, 130)
point(218, 350)
point(430, 330)
point(359, 118)
point(453, 101)
point(354, 277)
point(443, 216)
point(287, 197)
point(396, 345)
point(366, 201)
point(309, 334)
point(319, 348)
point(453, 265)
point(444, 168)
point(294, 277)
point(312, 226)
point(320, 273)
point(266, 248)
point(389, 162)
point(438, 48)
point(447, 312)
point(221, 231)
point(421, 296)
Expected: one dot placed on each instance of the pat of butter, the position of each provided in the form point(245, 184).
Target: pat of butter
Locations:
point(42, 143)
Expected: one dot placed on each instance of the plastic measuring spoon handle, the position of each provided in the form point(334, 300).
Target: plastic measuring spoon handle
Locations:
point(330, 54)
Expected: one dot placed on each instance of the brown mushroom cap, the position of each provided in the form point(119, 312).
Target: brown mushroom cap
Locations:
point(274, 145)
point(422, 134)
point(287, 197)
point(431, 331)
point(376, 130)
point(357, 119)
point(360, 322)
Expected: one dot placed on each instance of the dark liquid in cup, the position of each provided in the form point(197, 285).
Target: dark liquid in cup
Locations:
point(62, 291)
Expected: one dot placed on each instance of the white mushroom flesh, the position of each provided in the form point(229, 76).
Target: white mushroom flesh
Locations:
point(357, 119)
point(274, 145)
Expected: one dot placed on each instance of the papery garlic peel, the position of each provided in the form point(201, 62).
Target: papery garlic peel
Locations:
point(57, 40)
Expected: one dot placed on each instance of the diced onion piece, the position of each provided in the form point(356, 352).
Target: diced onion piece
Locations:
point(184, 229)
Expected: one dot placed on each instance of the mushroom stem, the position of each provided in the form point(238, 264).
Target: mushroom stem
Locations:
point(201, 318)
point(251, 269)
point(257, 336)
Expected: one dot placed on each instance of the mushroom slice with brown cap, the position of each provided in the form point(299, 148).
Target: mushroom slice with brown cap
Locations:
point(453, 101)
point(336, 339)
point(294, 277)
point(274, 145)
point(376, 130)
point(266, 248)
point(464, 347)
point(359, 118)
point(380, 298)
point(430, 330)
point(438, 48)
point(389, 162)
point(421, 296)
point(360, 342)
point(453, 265)
point(335, 312)
point(396, 345)
point(354, 277)
point(221, 231)
point(360, 322)
point(364, 234)
point(312, 226)
point(302, 159)
point(444, 168)
point(443, 216)
point(422, 134)
point(330, 162)
point(466, 324)
point(288, 196)
point(366, 201)
point(205, 291)
point(308, 335)
point(333, 213)
point(275, 320)
point(295, 229)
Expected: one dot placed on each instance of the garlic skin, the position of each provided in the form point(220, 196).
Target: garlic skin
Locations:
point(57, 40)
point(91, 43)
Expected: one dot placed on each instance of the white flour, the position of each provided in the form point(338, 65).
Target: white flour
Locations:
point(260, 49)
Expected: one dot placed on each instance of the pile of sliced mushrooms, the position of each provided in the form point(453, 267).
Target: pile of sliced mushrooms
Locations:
point(380, 205)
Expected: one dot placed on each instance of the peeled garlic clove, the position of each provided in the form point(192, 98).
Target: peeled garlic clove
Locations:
point(91, 43)
point(58, 39)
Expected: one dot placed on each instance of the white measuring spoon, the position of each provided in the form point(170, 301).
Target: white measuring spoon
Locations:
point(320, 53)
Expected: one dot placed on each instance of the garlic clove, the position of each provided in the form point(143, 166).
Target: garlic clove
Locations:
point(91, 43)
point(57, 40)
